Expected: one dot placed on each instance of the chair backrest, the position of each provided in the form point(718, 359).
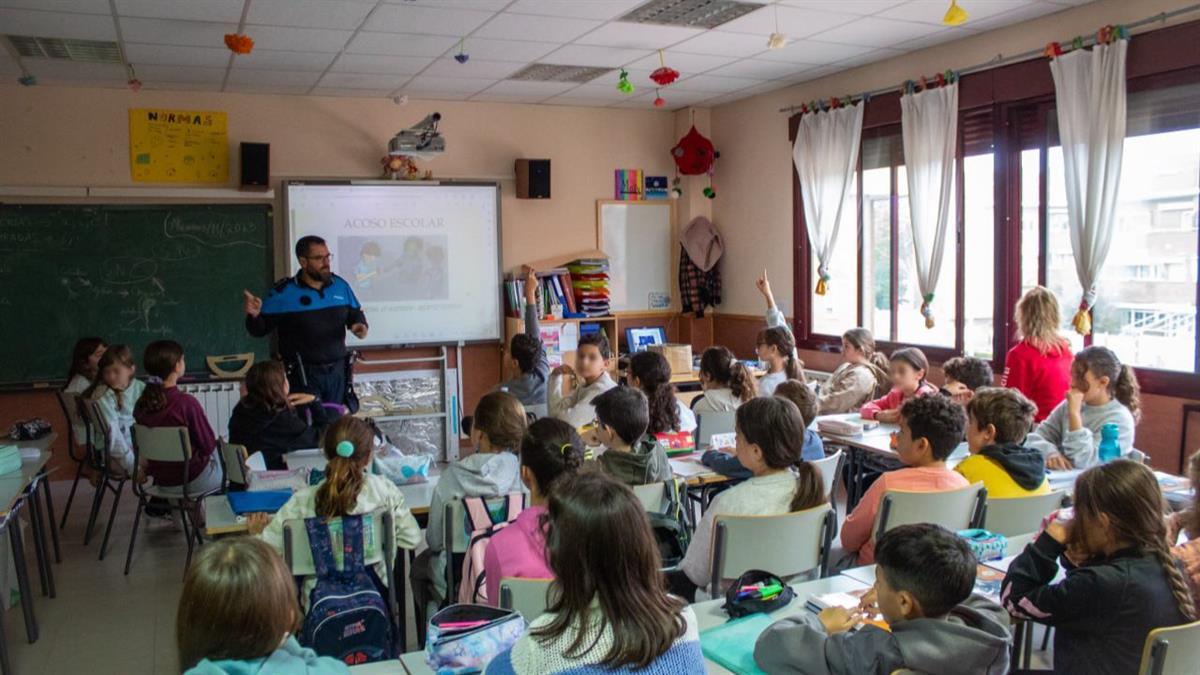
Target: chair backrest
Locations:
point(529, 597)
point(456, 537)
point(786, 545)
point(98, 430)
point(162, 444)
point(1174, 650)
point(653, 496)
point(69, 403)
point(831, 468)
point(709, 423)
point(538, 411)
point(378, 542)
point(1013, 516)
point(233, 460)
point(952, 509)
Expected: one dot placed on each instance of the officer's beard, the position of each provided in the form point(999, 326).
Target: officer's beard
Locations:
point(322, 275)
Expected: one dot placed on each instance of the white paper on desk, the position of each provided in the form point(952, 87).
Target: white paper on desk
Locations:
point(30, 453)
point(718, 441)
point(256, 462)
point(686, 468)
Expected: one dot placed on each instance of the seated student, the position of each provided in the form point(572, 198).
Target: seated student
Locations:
point(930, 428)
point(1185, 525)
point(813, 449)
point(492, 470)
point(965, 374)
point(769, 433)
point(347, 489)
point(85, 358)
point(1039, 366)
point(924, 580)
point(727, 382)
point(776, 346)
point(1121, 581)
point(863, 372)
point(272, 420)
point(117, 390)
point(909, 368)
point(163, 405)
point(651, 372)
point(570, 399)
point(528, 352)
point(551, 451)
point(632, 456)
point(997, 422)
point(1102, 392)
point(238, 615)
point(608, 612)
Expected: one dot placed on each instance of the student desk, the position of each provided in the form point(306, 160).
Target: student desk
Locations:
point(379, 668)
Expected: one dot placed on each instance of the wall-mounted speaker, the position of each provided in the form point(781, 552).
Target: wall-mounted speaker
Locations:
point(533, 179)
point(256, 165)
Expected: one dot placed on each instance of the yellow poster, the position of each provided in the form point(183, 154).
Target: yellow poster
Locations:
point(178, 146)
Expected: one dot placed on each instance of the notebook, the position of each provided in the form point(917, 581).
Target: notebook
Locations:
point(732, 644)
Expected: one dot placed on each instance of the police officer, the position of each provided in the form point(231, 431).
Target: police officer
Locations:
point(311, 312)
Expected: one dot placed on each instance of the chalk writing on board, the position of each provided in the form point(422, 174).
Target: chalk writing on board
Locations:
point(128, 270)
point(214, 231)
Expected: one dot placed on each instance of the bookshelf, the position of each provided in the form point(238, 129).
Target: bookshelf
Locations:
point(513, 326)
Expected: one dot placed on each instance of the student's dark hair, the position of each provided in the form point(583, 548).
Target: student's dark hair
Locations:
point(781, 339)
point(1190, 518)
point(338, 493)
point(914, 357)
point(238, 601)
point(602, 551)
point(774, 424)
point(625, 411)
point(113, 356)
point(862, 340)
point(599, 341)
point(551, 449)
point(159, 360)
point(972, 372)
point(305, 244)
point(938, 420)
point(1128, 493)
point(501, 416)
point(525, 348)
point(797, 392)
point(722, 367)
point(932, 563)
point(80, 353)
point(1122, 382)
point(653, 372)
point(1006, 409)
point(265, 386)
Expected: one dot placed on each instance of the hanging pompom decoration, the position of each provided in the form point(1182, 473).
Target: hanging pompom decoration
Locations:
point(676, 191)
point(1052, 50)
point(822, 279)
point(1083, 318)
point(461, 56)
point(623, 84)
point(927, 311)
point(955, 15)
point(27, 80)
point(659, 101)
point(134, 84)
point(776, 41)
point(710, 193)
point(1077, 43)
point(239, 44)
point(663, 76)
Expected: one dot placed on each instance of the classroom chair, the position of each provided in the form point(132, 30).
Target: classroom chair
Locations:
point(655, 497)
point(786, 545)
point(529, 597)
point(77, 442)
point(831, 468)
point(233, 464)
point(1019, 516)
point(112, 478)
point(952, 509)
point(1173, 650)
point(379, 545)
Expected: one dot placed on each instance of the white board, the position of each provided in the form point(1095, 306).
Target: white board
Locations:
point(639, 238)
point(422, 258)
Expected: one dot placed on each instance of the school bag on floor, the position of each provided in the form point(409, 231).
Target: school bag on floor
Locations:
point(472, 588)
point(348, 617)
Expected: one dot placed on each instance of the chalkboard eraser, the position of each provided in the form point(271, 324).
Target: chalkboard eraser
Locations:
point(41, 385)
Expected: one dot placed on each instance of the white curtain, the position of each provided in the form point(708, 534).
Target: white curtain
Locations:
point(929, 124)
point(825, 154)
point(1089, 91)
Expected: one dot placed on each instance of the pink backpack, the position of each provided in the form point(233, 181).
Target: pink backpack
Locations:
point(472, 588)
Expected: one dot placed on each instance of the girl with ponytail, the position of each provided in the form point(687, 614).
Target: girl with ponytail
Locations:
point(1121, 581)
point(348, 488)
point(1187, 522)
point(1103, 391)
point(862, 376)
point(651, 372)
point(776, 346)
point(727, 382)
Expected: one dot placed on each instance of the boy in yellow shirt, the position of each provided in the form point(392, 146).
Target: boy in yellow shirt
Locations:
point(997, 422)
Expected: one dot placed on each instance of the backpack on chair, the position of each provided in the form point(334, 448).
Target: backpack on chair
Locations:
point(670, 533)
point(348, 617)
point(472, 587)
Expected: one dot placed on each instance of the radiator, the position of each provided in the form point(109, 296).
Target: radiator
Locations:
point(218, 400)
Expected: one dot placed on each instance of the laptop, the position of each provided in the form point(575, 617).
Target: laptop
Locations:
point(709, 424)
point(638, 339)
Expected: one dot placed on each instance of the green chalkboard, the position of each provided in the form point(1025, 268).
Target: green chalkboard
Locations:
point(130, 275)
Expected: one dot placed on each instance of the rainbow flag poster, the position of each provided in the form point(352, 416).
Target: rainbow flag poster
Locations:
point(628, 185)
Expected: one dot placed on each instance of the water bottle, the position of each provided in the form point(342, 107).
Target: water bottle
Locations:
point(1109, 449)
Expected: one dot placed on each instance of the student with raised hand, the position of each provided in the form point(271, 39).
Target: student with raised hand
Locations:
point(651, 372)
point(964, 375)
point(551, 451)
point(769, 442)
point(924, 578)
point(274, 421)
point(632, 456)
point(1120, 582)
point(998, 420)
point(1103, 391)
point(571, 390)
point(1039, 366)
point(528, 352)
point(813, 448)
point(85, 359)
point(909, 368)
point(727, 382)
point(238, 615)
point(776, 346)
point(608, 611)
point(863, 371)
point(117, 390)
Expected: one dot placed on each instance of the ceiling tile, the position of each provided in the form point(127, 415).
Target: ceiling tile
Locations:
point(792, 21)
point(723, 44)
point(568, 100)
point(871, 56)
point(312, 39)
point(680, 97)
point(409, 18)
point(715, 83)
point(390, 44)
point(80, 6)
point(56, 24)
point(155, 85)
point(534, 89)
point(338, 14)
point(171, 55)
point(760, 70)
point(596, 92)
point(520, 51)
point(275, 59)
point(181, 74)
point(448, 67)
point(355, 93)
point(191, 10)
point(932, 11)
point(812, 51)
point(167, 32)
point(1023, 13)
point(59, 69)
point(948, 35)
point(490, 5)
point(863, 7)
point(381, 65)
point(588, 55)
point(576, 9)
point(871, 31)
point(809, 75)
point(506, 98)
point(521, 27)
point(439, 95)
point(267, 88)
point(363, 80)
point(638, 35)
point(446, 85)
point(688, 64)
point(273, 77)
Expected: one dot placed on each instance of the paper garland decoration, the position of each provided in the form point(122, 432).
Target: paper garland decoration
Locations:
point(623, 84)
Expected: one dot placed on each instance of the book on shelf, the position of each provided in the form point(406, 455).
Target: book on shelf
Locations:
point(552, 293)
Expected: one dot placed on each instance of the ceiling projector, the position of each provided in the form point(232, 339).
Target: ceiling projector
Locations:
point(421, 140)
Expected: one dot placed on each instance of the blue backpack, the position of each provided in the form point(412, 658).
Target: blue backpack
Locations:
point(348, 618)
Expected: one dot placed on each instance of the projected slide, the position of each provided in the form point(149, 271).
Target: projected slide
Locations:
point(422, 259)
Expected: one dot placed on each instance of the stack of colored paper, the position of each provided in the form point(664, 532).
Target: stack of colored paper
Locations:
point(10, 459)
point(589, 279)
